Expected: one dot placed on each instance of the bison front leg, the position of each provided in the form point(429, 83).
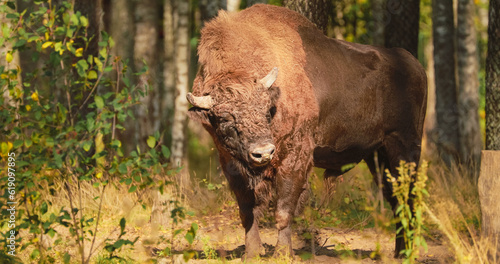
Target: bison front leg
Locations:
point(251, 225)
point(291, 187)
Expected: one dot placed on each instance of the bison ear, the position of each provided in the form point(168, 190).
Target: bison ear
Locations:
point(274, 94)
point(270, 78)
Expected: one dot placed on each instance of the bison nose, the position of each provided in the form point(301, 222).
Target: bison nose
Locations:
point(263, 154)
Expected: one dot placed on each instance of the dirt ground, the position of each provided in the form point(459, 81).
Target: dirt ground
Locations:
point(221, 237)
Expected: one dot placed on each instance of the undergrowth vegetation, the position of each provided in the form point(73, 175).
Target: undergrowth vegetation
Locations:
point(61, 125)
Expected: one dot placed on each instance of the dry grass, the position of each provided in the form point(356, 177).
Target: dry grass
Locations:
point(454, 213)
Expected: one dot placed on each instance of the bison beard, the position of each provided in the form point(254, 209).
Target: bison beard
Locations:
point(337, 103)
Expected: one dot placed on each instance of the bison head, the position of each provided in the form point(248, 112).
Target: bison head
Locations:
point(239, 115)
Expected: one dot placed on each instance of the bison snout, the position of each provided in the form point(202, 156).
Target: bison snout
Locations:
point(262, 155)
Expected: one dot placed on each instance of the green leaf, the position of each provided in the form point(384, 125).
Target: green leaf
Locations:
point(11, 5)
point(92, 75)
point(98, 63)
point(74, 20)
point(19, 43)
point(189, 237)
point(151, 141)
point(84, 21)
point(51, 233)
point(18, 143)
point(132, 189)
point(123, 222)
point(35, 254)
point(306, 256)
point(87, 145)
point(165, 151)
point(49, 142)
point(122, 168)
point(67, 258)
point(82, 66)
point(44, 208)
point(99, 102)
point(104, 53)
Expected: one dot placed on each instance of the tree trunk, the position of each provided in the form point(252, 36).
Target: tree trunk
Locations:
point(468, 85)
point(316, 11)
point(430, 136)
point(489, 180)
point(443, 29)
point(121, 28)
point(253, 2)
point(488, 185)
point(233, 5)
point(210, 8)
point(92, 10)
point(145, 49)
point(378, 23)
point(402, 30)
point(168, 91)
point(493, 78)
point(4, 49)
point(182, 79)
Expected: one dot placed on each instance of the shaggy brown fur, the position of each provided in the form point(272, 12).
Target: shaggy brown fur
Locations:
point(332, 103)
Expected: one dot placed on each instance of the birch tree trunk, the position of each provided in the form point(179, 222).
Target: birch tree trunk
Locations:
point(7, 47)
point(182, 78)
point(403, 26)
point(468, 85)
point(233, 5)
point(443, 30)
point(145, 51)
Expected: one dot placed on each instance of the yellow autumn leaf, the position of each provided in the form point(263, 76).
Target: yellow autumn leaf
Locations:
point(79, 52)
point(46, 44)
point(98, 175)
point(34, 96)
point(91, 75)
point(9, 57)
point(28, 108)
point(5, 148)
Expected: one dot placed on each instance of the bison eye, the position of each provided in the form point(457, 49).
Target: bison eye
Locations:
point(272, 113)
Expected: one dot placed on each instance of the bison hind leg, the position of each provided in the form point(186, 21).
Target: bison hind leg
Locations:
point(388, 157)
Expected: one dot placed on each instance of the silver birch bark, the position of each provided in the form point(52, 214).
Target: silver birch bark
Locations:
point(181, 104)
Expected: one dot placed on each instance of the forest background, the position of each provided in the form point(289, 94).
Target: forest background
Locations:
point(146, 63)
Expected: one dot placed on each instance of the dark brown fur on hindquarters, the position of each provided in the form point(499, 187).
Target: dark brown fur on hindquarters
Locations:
point(278, 97)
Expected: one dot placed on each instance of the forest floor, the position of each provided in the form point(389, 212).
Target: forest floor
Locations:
point(221, 237)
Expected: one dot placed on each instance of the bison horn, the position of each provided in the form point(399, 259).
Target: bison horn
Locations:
point(270, 78)
point(204, 102)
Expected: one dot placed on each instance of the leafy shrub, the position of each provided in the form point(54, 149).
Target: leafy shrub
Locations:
point(61, 123)
point(409, 189)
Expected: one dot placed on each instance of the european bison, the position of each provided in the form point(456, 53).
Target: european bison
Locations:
point(278, 97)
